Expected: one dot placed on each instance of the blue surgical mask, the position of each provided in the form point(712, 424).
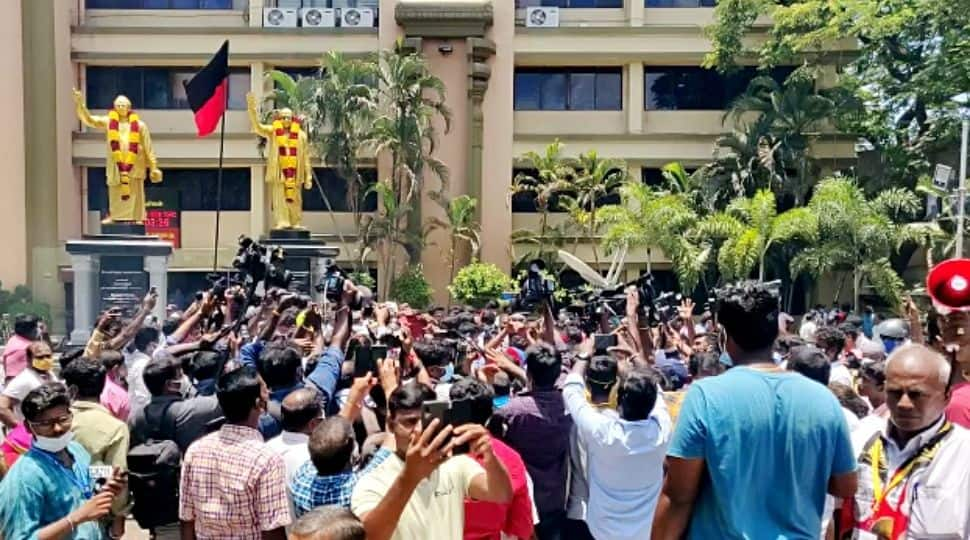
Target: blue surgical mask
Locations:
point(890, 344)
point(449, 373)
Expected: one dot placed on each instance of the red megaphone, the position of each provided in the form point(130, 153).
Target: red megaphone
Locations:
point(948, 285)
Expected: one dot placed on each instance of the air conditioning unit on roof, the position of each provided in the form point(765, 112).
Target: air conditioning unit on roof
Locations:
point(357, 17)
point(542, 17)
point(279, 18)
point(318, 17)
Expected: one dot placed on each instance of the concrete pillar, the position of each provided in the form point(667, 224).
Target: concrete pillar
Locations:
point(259, 202)
point(634, 98)
point(634, 12)
point(85, 269)
point(157, 268)
point(13, 204)
point(497, 155)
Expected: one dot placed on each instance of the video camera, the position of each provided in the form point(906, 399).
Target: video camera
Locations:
point(257, 263)
point(534, 288)
point(332, 284)
point(653, 308)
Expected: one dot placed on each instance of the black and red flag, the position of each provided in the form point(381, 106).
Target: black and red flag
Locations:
point(207, 91)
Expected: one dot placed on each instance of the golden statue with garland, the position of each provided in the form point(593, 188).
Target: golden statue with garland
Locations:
point(287, 164)
point(129, 156)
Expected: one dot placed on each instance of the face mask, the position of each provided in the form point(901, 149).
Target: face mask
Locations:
point(42, 364)
point(449, 373)
point(53, 444)
point(890, 344)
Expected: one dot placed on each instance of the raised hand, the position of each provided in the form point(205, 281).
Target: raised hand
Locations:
point(686, 310)
point(427, 450)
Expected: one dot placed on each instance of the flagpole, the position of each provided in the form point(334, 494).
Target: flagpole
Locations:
point(222, 142)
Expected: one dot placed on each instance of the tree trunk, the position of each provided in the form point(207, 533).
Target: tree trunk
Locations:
point(451, 269)
point(856, 285)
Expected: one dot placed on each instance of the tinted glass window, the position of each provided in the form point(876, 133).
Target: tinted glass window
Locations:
point(573, 89)
point(154, 88)
point(335, 187)
point(196, 188)
point(696, 88)
point(158, 4)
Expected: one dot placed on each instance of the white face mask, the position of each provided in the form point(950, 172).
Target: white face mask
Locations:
point(53, 444)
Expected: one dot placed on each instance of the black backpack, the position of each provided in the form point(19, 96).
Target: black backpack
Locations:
point(154, 468)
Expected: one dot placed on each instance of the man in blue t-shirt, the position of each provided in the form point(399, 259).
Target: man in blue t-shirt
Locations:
point(756, 449)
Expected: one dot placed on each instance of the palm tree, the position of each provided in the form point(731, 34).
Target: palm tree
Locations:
point(382, 233)
point(774, 149)
point(346, 104)
point(649, 218)
point(750, 227)
point(410, 100)
point(859, 235)
point(553, 176)
point(460, 225)
point(595, 180)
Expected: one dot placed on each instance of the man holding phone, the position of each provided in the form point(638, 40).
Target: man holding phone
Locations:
point(423, 466)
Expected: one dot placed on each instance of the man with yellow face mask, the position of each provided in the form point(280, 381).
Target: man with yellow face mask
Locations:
point(40, 361)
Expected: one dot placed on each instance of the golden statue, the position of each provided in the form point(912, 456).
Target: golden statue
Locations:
point(287, 164)
point(130, 155)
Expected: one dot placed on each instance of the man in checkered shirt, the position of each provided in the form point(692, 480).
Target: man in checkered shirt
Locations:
point(233, 486)
point(329, 477)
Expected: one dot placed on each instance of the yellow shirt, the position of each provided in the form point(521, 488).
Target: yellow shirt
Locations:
point(436, 509)
point(104, 437)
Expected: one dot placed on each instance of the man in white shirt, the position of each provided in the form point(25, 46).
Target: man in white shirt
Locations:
point(300, 413)
point(621, 505)
point(921, 488)
point(832, 341)
point(146, 341)
point(40, 361)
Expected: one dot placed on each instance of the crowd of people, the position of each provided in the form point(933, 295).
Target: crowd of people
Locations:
point(361, 419)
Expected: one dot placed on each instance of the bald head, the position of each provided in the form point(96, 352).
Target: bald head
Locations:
point(917, 387)
point(921, 358)
point(301, 410)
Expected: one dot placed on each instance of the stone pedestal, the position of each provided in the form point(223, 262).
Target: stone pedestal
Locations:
point(305, 257)
point(115, 270)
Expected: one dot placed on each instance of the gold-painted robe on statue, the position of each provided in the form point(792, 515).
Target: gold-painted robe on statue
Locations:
point(286, 215)
point(132, 209)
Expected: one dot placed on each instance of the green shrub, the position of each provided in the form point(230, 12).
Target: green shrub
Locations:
point(21, 301)
point(479, 283)
point(411, 288)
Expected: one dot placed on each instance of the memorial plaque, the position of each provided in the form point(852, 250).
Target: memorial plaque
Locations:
point(300, 268)
point(123, 283)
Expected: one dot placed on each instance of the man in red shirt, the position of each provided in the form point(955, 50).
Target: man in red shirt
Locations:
point(956, 337)
point(485, 520)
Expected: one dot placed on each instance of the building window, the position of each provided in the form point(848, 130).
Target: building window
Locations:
point(525, 202)
point(568, 89)
point(335, 188)
point(195, 188)
point(569, 3)
point(159, 4)
point(699, 89)
point(154, 88)
point(679, 3)
point(655, 177)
